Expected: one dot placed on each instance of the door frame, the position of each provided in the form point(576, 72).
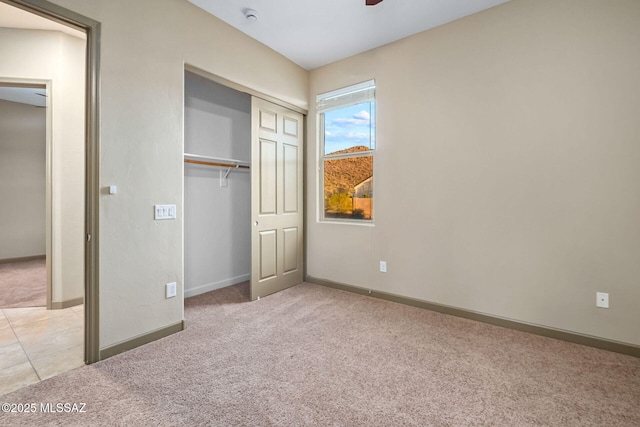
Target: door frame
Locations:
point(241, 88)
point(257, 94)
point(92, 162)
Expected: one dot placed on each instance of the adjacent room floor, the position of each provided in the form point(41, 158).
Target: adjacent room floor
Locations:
point(36, 344)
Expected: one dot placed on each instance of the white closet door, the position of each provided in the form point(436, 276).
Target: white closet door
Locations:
point(276, 198)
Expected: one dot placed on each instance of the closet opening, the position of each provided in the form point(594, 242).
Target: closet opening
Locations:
point(217, 186)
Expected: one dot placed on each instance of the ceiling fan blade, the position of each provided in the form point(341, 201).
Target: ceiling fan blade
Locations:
point(372, 2)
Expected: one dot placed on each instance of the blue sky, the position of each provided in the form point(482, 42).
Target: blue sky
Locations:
point(349, 127)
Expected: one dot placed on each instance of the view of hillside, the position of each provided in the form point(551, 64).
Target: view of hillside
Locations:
point(341, 176)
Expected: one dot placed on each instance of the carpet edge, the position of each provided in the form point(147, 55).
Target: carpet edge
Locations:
point(545, 331)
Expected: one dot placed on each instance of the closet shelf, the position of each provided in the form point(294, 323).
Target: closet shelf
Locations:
point(216, 161)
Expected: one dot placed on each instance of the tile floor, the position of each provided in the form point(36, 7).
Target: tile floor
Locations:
point(36, 344)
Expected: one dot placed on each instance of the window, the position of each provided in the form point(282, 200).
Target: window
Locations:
point(347, 144)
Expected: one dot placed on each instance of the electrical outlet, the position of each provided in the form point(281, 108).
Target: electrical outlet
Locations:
point(383, 266)
point(602, 299)
point(170, 290)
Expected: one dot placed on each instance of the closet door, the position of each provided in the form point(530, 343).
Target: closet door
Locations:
point(276, 198)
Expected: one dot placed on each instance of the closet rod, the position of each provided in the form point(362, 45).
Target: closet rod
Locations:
point(226, 165)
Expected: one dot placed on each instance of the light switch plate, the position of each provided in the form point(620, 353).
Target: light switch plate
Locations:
point(165, 212)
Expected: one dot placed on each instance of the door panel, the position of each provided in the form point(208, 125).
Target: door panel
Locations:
point(276, 206)
point(268, 120)
point(268, 249)
point(290, 178)
point(290, 126)
point(268, 176)
point(290, 250)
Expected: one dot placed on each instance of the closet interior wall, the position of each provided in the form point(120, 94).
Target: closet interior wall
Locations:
point(217, 218)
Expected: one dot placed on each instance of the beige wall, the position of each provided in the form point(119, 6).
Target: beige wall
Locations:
point(506, 172)
point(516, 125)
point(57, 58)
point(144, 47)
point(68, 171)
point(23, 134)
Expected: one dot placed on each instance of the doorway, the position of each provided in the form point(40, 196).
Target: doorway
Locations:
point(243, 189)
point(217, 198)
point(86, 233)
point(43, 221)
point(24, 124)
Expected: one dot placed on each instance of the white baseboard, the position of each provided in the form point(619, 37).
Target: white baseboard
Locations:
point(191, 292)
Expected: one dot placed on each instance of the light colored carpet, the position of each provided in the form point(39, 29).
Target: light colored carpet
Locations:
point(23, 284)
point(317, 356)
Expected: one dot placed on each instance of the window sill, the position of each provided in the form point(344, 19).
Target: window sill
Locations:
point(347, 222)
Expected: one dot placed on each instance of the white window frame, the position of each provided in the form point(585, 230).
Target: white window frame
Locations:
point(341, 98)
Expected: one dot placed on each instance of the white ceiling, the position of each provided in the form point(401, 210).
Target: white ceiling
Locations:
point(24, 95)
point(12, 17)
point(313, 33)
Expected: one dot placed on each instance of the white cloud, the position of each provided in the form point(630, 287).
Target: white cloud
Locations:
point(363, 115)
point(362, 118)
point(357, 135)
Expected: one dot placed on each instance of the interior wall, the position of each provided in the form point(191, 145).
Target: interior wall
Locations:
point(23, 132)
point(217, 239)
point(506, 169)
point(144, 49)
point(69, 170)
point(58, 58)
